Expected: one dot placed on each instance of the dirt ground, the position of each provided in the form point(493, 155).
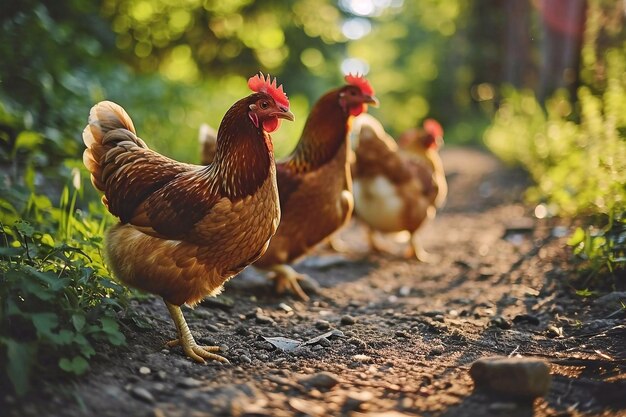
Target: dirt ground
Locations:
point(402, 334)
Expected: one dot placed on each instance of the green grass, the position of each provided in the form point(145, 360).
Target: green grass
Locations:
point(57, 304)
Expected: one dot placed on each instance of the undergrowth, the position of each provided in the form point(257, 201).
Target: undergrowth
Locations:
point(56, 302)
point(576, 152)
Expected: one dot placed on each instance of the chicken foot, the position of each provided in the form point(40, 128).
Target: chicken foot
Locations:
point(185, 339)
point(287, 278)
point(416, 250)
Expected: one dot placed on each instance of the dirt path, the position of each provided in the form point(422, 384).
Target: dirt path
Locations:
point(407, 331)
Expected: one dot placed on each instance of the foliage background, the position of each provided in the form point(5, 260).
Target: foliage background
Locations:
point(479, 67)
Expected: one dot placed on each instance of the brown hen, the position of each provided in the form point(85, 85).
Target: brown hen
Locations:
point(314, 182)
point(186, 229)
point(397, 188)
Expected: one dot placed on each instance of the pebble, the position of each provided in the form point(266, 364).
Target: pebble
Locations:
point(404, 291)
point(615, 297)
point(242, 330)
point(144, 370)
point(362, 358)
point(526, 318)
point(245, 359)
point(142, 394)
point(189, 382)
point(321, 380)
point(400, 333)
point(212, 328)
point(355, 399)
point(502, 407)
point(323, 342)
point(501, 322)
point(263, 319)
point(523, 378)
point(347, 320)
point(553, 331)
point(322, 325)
point(433, 313)
point(439, 318)
point(437, 350)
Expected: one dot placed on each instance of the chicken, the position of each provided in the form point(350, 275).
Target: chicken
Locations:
point(186, 229)
point(207, 136)
point(314, 182)
point(396, 188)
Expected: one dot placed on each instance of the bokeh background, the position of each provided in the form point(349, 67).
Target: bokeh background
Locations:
point(540, 83)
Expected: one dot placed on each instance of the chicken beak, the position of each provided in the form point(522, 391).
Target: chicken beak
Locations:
point(371, 100)
point(285, 114)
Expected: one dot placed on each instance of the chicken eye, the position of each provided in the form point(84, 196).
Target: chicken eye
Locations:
point(264, 105)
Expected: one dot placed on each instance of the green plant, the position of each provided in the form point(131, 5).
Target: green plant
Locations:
point(56, 302)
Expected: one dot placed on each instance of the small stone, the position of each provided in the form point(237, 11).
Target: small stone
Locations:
point(502, 407)
point(347, 320)
point(142, 394)
point(433, 313)
point(404, 291)
point(161, 375)
point(245, 359)
point(158, 386)
point(362, 358)
point(439, 318)
point(321, 380)
point(501, 322)
point(263, 319)
point(317, 348)
point(322, 325)
point(190, 382)
point(323, 342)
point(523, 378)
point(285, 307)
point(553, 331)
point(400, 333)
point(242, 330)
point(212, 328)
point(437, 350)
point(526, 318)
point(355, 399)
point(614, 298)
point(144, 370)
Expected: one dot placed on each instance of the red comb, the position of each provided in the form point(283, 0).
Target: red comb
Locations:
point(433, 127)
point(258, 83)
point(361, 82)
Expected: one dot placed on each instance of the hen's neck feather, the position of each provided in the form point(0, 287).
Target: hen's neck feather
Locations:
point(324, 132)
point(244, 154)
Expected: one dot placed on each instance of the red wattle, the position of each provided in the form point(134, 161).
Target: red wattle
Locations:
point(358, 109)
point(271, 124)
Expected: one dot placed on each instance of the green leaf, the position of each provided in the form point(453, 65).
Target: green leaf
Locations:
point(109, 325)
point(45, 323)
point(78, 365)
point(4, 251)
point(24, 228)
point(577, 237)
point(28, 140)
point(78, 320)
point(20, 358)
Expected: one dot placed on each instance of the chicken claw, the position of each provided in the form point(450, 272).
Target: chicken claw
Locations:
point(185, 339)
point(416, 250)
point(286, 278)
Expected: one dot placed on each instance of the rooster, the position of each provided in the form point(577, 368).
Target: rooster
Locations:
point(397, 187)
point(185, 229)
point(314, 182)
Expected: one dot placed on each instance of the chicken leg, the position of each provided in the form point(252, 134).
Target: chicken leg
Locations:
point(416, 250)
point(286, 278)
point(185, 339)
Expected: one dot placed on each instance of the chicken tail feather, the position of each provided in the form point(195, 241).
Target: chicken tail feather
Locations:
point(109, 124)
